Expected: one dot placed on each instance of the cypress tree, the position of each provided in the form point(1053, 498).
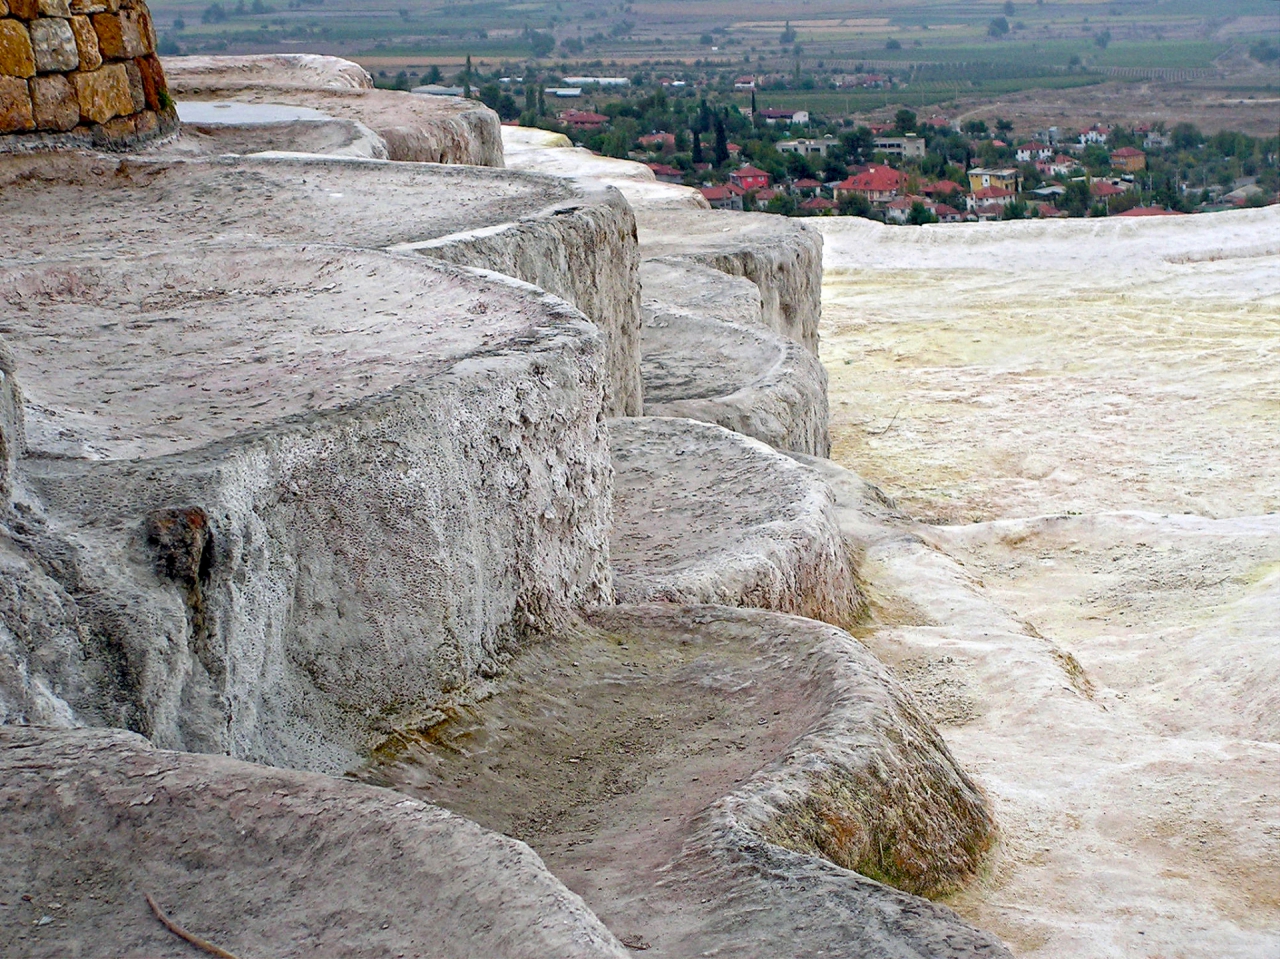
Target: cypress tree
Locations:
point(466, 78)
point(722, 141)
point(697, 144)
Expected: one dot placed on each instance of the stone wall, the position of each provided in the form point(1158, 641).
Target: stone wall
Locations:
point(80, 73)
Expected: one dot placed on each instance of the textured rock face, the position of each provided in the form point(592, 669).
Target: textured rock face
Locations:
point(584, 253)
point(386, 494)
point(415, 128)
point(707, 355)
point(71, 80)
point(780, 256)
point(11, 432)
point(258, 861)
point(703, 515)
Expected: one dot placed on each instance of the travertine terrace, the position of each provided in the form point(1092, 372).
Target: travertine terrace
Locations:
point(312, 449)
point(336, 440)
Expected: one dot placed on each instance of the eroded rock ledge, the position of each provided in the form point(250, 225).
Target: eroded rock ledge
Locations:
point(258, 861)
point(395, 493)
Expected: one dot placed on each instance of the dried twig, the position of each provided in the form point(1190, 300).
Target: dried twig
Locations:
point(181, 933)
point(891, 422)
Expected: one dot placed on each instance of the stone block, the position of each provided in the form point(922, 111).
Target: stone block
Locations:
point(86, 43)
point(4, 9)
point(54, 101)
point(152, 74)
point(54, 45)
point(104, 93)
point(135, 86)
point(16, 56)
point(114, 133)
point(94, 6)
point(15, 106)
point(26, 9)
point(147, 124)
point(53, 8)
point(147, 30)
point(118, 35)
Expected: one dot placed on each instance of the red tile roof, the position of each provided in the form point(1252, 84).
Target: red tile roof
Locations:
point(877, 179)
point(1127, 152)
point(1150, 211)
point(663, 169)
point(992, 193)
point(942, 186)
point(1103, 188)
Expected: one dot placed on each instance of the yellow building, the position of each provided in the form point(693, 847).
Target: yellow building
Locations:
point(1007, 179)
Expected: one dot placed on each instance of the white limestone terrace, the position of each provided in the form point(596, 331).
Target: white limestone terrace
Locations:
point(142, 357)
point(782, 257)
point(414, 128)
point(706, 515)
point(573, 238)
point(696, 774)
point(315, 483)
point(706, 354)
point(220, 128)
point(1082, 417)
point(544, 151)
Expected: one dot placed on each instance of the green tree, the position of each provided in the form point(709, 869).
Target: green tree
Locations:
point(540, 44)
point(919, 215)
point(1076, 200)
point(998, 27)
point(783, 204)
point(904, 121)
point(722, 141)
point(854, 204)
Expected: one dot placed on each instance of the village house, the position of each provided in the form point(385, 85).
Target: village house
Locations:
point(1104, 189)
point(909, 146)
point(899, 210)
point(991, 195)
point(806, 185)
point(1007, 178)
point(774, 115)
point(1096, 134)
point(819, 205)
point(722, 198)
point(1128, 160)
point(583, 119)
point(941, 188)
point(1035, 150)
point(665, 173)
point(763, 197)
point(879, 184)
point(807, 147)
point(658, 141)
point(744, 83)
point(749, 178)
point(947, 214)
point(1060, 165)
